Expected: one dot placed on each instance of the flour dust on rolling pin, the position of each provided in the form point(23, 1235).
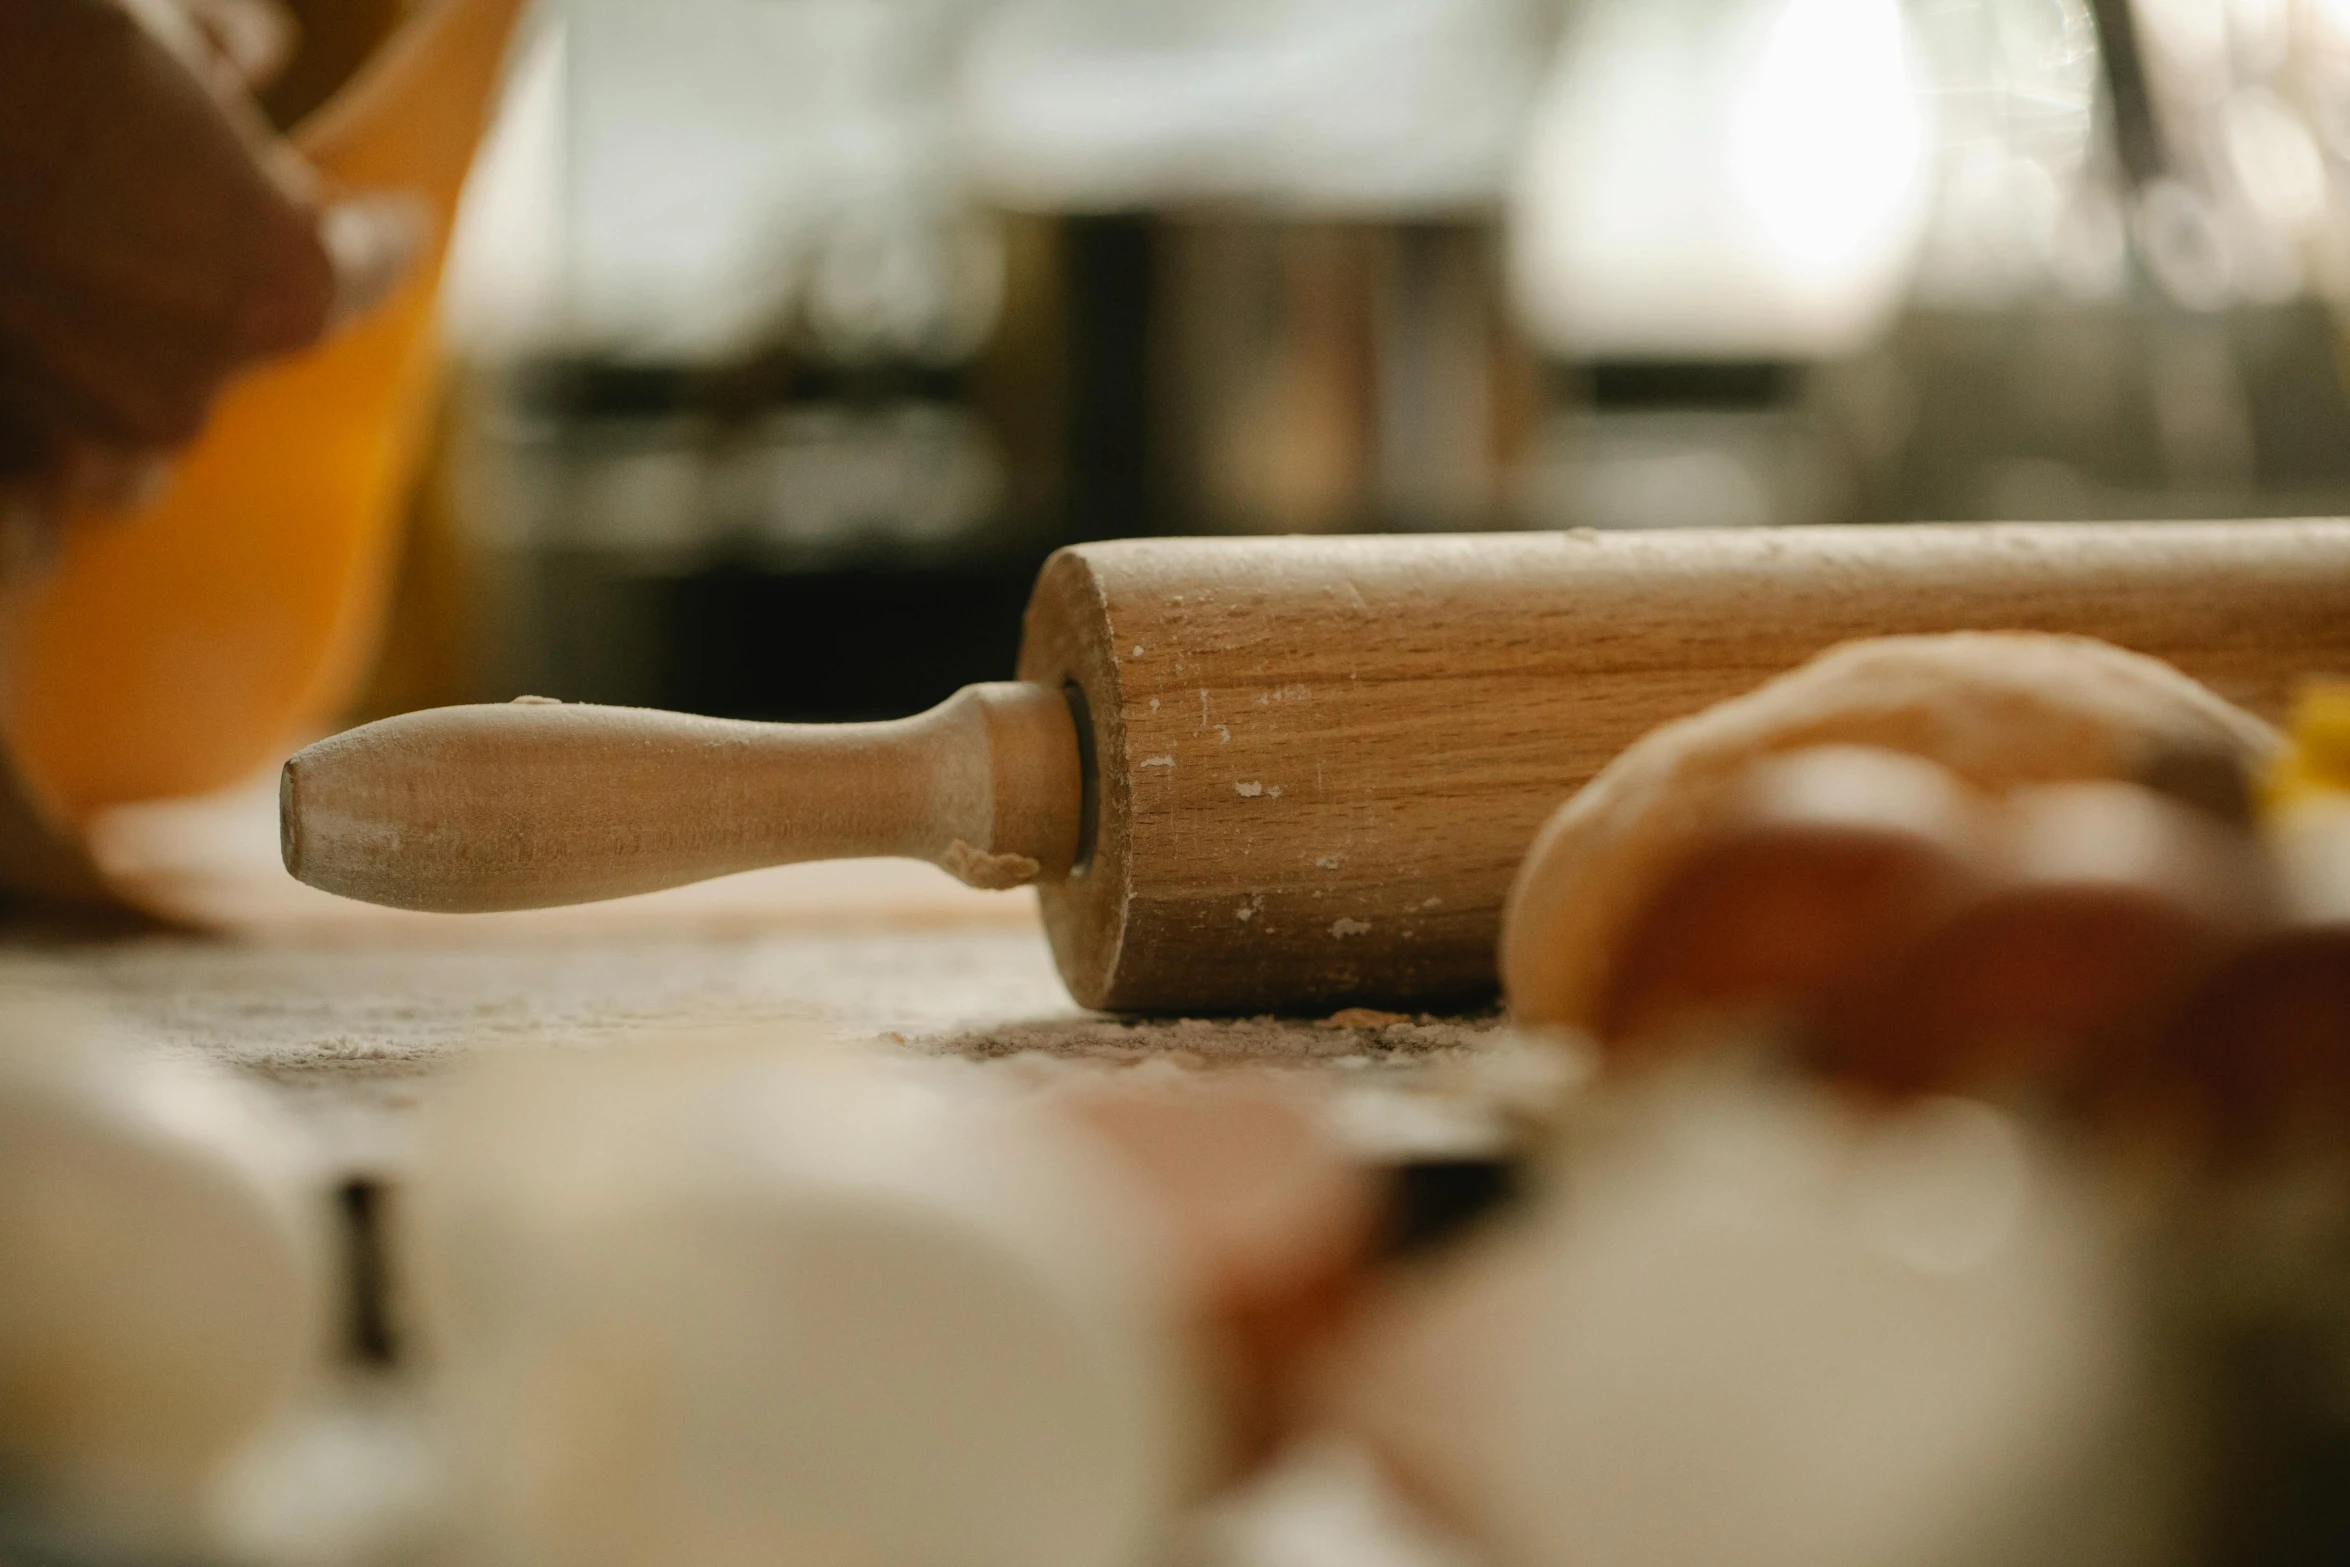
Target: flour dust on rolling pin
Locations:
point(1248, 774)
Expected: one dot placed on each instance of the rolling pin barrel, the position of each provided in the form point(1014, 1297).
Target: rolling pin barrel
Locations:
point(1302, 770)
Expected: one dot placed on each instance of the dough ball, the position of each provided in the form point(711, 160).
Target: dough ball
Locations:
point(1999, 709)
point(164, 1279)
point(728, 1307)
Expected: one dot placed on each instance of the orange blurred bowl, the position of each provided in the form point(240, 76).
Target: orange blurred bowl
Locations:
point(175, 649)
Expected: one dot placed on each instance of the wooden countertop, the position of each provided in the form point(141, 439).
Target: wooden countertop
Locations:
point(348, 1011)
point(348, 1014)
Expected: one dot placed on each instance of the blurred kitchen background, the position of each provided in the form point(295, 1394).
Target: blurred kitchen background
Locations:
point(789, 336)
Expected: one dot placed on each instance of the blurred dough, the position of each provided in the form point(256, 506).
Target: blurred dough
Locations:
point(2000, 709)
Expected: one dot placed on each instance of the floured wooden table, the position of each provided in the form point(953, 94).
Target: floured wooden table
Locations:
point(349, 1014)
point(348, 1010)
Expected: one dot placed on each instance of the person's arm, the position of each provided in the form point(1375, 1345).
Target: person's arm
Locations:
point(155, 237)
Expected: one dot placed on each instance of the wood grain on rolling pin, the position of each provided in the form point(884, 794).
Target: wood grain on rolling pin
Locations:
point(1320, 760)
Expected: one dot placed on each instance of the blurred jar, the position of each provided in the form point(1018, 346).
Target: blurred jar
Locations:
point(2043, 259)
point(738, 437)
point(1271, 234)
point(2125, 303)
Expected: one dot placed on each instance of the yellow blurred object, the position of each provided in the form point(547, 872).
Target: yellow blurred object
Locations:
point(2317, 761)
point(176, 648)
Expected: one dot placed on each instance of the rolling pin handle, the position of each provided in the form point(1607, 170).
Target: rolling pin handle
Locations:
point(535, 803)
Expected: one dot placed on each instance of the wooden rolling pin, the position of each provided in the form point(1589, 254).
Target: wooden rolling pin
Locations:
point(1277, 772)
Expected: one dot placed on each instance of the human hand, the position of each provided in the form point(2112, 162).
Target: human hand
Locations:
point(155, 238)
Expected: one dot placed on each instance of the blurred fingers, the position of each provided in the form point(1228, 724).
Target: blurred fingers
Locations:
point(254, 38)
point(232, 46)
point(371, 242)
